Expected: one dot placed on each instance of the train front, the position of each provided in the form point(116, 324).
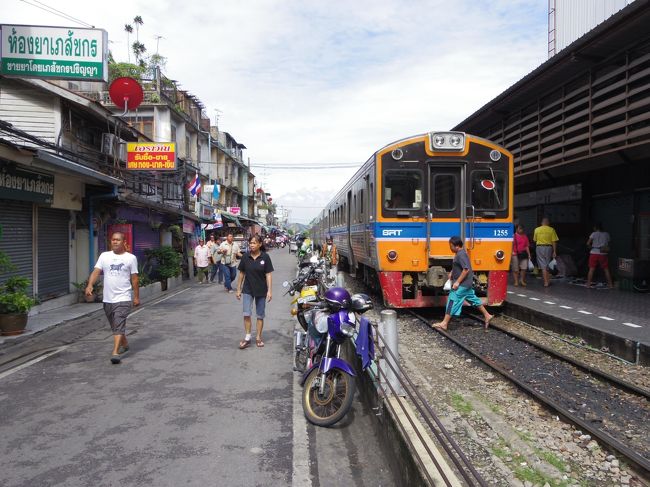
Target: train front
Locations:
point(433, 187)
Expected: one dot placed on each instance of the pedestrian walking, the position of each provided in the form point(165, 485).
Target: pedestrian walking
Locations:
point(211, 244)
point(598, 242)
point(331, 255)
point(254, 284)
point(120, 269)
point(230, 255)
point(546, 240)
point(215, 259)
point(201, 261)
point(520, 256)
point(462, 278)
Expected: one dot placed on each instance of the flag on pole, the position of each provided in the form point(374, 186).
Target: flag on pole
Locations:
point(195, 186)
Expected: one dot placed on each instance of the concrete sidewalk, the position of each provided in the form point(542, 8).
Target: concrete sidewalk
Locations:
point(66, 308)
point(606, 318)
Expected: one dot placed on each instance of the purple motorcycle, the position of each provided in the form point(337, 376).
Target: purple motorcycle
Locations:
point(328, 380)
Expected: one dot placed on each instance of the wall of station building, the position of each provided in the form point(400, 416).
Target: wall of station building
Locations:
point(617, 197)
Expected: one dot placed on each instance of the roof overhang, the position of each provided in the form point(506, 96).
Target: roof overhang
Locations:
point(76, 169)
point(618, 33)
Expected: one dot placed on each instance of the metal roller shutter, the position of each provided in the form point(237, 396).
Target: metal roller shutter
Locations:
point(53, 253)
point(144, 238)
point(16, 241)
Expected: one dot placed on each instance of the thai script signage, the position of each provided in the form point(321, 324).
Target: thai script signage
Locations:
point(151, 156)
point(16, 184)
point(206, 212)
point(54, 52)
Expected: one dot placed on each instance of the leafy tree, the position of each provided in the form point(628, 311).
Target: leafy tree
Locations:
point(137, 20)
point(129, 30)
point(118, 70)
point(139, 49)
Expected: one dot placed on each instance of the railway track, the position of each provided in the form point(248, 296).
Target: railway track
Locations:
point(613, 411)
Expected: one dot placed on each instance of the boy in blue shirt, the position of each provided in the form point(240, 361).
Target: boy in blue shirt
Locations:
point(461, 276)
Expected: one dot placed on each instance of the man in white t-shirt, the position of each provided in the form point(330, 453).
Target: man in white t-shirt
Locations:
point(202, 261)
point(120, 270)
point(230, 255)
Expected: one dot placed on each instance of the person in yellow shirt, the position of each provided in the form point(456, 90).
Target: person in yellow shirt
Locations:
point(546, 248)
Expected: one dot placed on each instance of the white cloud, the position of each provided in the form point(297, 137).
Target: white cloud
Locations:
point(317, 82)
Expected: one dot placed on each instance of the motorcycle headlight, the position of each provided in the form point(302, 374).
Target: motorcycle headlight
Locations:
point(347, 329)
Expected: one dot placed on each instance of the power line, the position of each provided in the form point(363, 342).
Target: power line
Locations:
point(56, 12)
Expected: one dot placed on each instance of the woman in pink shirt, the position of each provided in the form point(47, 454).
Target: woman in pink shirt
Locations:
point(520, 255)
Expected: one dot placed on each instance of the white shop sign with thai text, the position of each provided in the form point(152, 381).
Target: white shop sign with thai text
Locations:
point(53, 52)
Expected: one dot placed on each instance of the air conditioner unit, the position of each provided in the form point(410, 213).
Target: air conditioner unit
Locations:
point(109, 144)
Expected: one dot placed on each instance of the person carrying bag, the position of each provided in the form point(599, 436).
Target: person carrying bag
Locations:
point(520, 256)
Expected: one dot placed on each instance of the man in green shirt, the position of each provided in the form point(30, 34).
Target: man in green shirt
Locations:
point(546, 248)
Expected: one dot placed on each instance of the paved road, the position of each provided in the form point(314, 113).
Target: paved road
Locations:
point(185, 407)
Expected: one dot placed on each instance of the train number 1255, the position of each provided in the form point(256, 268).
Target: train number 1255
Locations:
point(501, 232)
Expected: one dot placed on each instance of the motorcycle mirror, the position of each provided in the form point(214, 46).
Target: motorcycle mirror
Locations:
point(285, 284)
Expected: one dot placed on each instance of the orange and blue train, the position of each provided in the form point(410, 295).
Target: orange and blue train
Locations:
point(393, 219)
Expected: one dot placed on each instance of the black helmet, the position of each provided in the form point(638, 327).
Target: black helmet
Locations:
point(361, 303)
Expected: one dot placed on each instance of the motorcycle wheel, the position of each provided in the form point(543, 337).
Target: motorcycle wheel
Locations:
point(336, 401)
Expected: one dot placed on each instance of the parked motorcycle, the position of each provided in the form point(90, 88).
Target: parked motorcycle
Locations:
point(328, 379)
point(309, 286)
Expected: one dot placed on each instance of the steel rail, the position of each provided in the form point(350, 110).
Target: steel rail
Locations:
point(605, 438)
point(577, 363)
point(445, 439)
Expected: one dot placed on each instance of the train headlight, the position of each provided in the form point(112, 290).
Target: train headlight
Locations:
point(447, 141)
point(391, 255)
point(500, 255)
point(439, 141)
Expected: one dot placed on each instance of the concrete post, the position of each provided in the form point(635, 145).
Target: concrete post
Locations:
point(388, 330)
point(340, 279)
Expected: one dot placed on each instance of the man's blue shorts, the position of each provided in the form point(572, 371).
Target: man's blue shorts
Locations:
point(457, 297)
point(260, 305)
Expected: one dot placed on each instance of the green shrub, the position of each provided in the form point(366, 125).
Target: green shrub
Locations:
point(169, 261)
point(13, 296)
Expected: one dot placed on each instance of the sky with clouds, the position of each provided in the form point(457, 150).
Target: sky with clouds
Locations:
point(313, 83)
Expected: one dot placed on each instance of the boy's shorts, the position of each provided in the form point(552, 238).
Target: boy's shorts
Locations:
point(458, 297)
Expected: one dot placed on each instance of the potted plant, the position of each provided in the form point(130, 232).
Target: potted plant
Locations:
point(15, 304)
point(81, 288)
point(168, 263)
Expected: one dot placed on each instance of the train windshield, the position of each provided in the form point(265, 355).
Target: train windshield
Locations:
point(488, 190)
point(403, 189)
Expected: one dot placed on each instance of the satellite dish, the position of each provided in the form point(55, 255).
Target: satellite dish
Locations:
point(126, 93)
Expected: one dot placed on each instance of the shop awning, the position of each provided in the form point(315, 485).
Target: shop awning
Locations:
point(246, 219)
point(230, 220)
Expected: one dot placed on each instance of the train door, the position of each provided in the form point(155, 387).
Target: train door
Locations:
point(447, 212)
